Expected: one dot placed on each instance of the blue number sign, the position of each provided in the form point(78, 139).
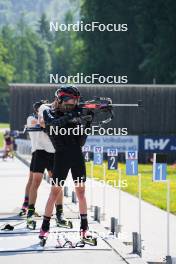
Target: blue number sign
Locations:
point(131, 163)
point(112, 154)
point(86, 151)
point(98, 155)
point(159, 168)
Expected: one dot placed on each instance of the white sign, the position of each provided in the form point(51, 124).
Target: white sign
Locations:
point(121, 143)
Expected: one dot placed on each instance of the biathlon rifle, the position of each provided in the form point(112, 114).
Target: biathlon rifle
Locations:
point(104, 104)
point(95, 106)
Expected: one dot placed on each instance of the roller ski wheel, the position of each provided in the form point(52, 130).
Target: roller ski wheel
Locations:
point(64, 223)
point(23, 211)
point(87, 238)
point(31, 223)
point(43, 236)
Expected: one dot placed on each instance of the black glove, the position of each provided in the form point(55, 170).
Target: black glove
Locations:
point(64, 120)
point(60, 121)
point(73, 114)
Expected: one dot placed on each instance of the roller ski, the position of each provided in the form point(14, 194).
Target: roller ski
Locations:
point(23, 211)
point(88, 238)
point(43, 236)
point(31, 223)
point(65, 242)
point(64, 223)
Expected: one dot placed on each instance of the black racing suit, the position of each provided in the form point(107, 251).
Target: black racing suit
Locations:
point(68, 147)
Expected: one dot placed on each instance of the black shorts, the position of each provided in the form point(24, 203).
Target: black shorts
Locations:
point(69, 158)
point(32, 162)
point(43, 160)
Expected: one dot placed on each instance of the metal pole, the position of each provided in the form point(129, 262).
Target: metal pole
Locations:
point(139, 192)
point(104, 190)
point(97, 214)
point(168, 217)
point(114, 226)
point(74, 197)
point(114, 211)
point(119, 187)
point(91, 185)
point(66, 191)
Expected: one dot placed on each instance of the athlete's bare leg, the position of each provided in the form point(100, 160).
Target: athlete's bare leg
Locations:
point(80, 192)
point(36, 181)
point(54, 194)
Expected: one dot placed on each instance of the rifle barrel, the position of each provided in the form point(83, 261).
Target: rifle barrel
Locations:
point(125, 105)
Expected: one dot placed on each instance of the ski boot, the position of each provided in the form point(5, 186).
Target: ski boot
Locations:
point(31, 223)
point(23, 211)
point(43, 237)
point(64, 223)
point(87, 238)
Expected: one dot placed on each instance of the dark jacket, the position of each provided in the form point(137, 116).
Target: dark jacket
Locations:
point(54, 120)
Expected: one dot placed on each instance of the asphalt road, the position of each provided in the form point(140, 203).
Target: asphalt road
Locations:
point(13, 176)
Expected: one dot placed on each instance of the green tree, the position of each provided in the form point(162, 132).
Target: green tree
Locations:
point(67, 51)
point(157, 37)
point(43, 28)
point(116, 53)
point(6, 76)
point(43, 63)
point(25, 56)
